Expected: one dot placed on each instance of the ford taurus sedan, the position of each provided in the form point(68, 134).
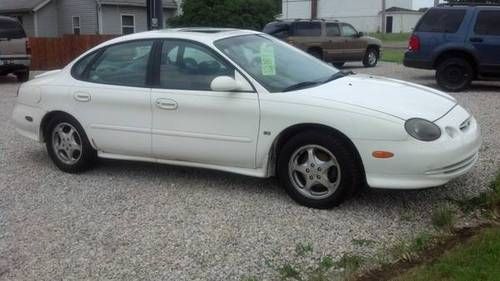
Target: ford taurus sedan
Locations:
point(244, 102)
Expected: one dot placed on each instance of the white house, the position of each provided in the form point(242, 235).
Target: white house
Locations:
point(365, 15)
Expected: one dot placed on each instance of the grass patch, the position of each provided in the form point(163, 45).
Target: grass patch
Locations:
point(443, 217)
point(476, 259)
point(487, 203)
point(391, 37)
point(393, 55)
point(410, 250)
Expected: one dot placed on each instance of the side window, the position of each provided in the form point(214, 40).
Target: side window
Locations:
point(332, 29)
point(10, 29)
point(123, 64)
point(488, 23)
point(306, 29)
point(348, 30)
point(189, 66)
point(441, 21)
point(82, 64)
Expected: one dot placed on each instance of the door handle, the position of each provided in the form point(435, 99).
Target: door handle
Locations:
point(82, 97)
point(167, 104)
point(476, 39)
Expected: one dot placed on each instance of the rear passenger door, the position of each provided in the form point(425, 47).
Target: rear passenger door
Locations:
point(306, 34)
point(485, 38)
point(333, 46)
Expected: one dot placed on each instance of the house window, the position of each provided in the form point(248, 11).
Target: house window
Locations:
point(128, 24)
point(76, 25)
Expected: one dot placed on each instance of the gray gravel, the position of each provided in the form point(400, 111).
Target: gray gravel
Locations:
point(136, 221)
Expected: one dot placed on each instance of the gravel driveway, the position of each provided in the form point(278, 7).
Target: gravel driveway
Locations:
point(137, 221)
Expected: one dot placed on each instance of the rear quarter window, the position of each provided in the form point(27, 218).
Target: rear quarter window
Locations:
point(441, 20)
point(10, 29)
point(306, 29)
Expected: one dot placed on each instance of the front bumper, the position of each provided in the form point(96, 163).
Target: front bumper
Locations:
point(418, 164)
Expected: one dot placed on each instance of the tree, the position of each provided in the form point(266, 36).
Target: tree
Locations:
point(475, 1)
point(248, 14)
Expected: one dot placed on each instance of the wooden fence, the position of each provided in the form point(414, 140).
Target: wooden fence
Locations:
point(54, 53)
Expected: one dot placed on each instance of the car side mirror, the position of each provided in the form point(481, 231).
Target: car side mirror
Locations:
point(224, 84)
point(361, 34)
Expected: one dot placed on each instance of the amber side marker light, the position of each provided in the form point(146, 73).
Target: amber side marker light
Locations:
point(382, 154)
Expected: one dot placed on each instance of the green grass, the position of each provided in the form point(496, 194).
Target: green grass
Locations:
point(393, 55)
point(477, 259)
point(443, 217)
point(391, 37)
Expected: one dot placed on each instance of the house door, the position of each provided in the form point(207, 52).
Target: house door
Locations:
point(388, 24)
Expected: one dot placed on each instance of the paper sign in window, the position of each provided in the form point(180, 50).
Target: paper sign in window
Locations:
point(267, 60)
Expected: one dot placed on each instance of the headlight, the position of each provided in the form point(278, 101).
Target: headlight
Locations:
point(422, 129)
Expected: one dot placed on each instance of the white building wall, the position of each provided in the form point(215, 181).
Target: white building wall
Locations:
point(363, 14)
point(404, 22)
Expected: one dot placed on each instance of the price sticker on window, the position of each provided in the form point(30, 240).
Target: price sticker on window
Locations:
point(267, 59)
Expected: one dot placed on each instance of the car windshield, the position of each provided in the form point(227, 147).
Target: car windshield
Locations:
point(276, 65)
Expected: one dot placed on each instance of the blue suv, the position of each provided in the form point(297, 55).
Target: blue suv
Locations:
point(461, 42)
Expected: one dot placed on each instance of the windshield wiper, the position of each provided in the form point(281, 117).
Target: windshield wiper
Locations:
point(301, 85)
point(335, 76)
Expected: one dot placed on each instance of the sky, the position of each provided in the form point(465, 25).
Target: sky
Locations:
point(417, 4)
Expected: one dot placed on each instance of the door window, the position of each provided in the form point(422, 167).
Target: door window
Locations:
point(189, 66)
point(348, 30)
point(332, 29)
point(488, 23)
point(123, 64)
point(307, 29)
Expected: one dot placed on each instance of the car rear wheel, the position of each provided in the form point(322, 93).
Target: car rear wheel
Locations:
point(317, 53)
point(318, 170)
point(371, 57)
point(23, 76)
point(454, 74)
point(338, 64)
point(68, 146)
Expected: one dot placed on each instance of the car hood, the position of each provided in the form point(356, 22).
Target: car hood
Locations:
point(397, 98)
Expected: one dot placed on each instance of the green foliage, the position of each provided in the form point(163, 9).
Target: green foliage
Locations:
point(408, 251)
point(303, 249)
point(247, 14)
point(443, 217)
point(477, 259)
point(474, 1)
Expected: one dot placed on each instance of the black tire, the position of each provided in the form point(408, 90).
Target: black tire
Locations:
point(23, 76)
point(317, 53)
point(454, 74)
point(87, 156)
point(351, 175)
point(371, 57)
point(338, 64)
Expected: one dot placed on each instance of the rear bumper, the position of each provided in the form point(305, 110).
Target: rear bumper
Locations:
point(13, 65)
point(411, 61)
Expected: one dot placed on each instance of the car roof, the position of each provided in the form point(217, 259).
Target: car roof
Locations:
point(201, 34)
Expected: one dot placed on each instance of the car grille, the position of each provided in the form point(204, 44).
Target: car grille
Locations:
point(454, 167)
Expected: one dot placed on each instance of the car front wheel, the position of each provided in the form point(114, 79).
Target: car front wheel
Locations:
point(68, 146)
point(371, 57)
point(318, 170)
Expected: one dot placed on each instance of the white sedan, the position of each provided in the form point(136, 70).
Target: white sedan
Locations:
point(244, 102)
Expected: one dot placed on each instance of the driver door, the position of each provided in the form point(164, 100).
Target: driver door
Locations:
point(193, 123)
point(354, 46)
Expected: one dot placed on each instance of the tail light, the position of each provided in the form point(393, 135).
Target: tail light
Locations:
point(28, 47)
point(414, 44)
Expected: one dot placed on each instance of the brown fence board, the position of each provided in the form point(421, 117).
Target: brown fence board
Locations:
point(54, 53)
